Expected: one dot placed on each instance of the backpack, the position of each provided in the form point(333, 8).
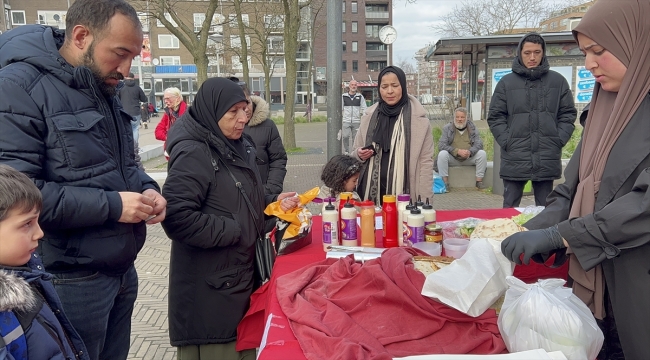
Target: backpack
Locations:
point(13, 325)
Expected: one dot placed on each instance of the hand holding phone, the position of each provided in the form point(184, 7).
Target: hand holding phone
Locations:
point(370, 147)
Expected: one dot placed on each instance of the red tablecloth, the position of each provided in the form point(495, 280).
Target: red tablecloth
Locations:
point(265, 311)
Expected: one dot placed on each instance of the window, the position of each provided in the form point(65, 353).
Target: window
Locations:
point(166, 41)
point(563, 22)
point(375, 46)
point(170, 60)
point(344, 27)
point(198, 21)
point(216, 26)
point(18, 17)
point(274, 21)
point(237, 65)
point(372, 31)
point(232, 19)
point(277, 62)
point(354, 7)
point(52, 18)
point(235, 42)
point(355, 46)
point(345, 45)
point(168, 18)
point(355, 27)
point(355, 66)
point(275, 44)
point(344, 6)
point(144, 20)
point(344, 66)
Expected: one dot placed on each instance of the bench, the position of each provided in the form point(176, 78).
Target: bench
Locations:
point(465, 176)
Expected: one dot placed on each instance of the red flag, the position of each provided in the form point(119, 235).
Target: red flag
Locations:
point(454, 69)
point(441, 70)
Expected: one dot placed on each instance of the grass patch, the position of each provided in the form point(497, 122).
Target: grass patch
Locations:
point(162, 166)
point(295, 150)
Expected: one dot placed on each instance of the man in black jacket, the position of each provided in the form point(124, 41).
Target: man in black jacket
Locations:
point(64, 128)
point(131, 95)
point(532, 117)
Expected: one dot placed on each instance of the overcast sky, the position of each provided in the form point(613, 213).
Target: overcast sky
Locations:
point(413, 24)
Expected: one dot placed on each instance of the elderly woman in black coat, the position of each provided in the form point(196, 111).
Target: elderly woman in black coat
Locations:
point(212, 224)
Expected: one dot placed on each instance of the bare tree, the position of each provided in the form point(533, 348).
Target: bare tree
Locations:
point(243, 50)
point(488, 17)
point(405, 65)
point(194, 39)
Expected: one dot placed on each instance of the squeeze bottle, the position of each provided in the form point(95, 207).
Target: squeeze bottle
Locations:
point(402, 202)
point(428, 213)
point(367, 224)
point(416, 226)
point(404, 229)
point(330, 225)
point(389, 215)
point(419, 203)
point(349, 224)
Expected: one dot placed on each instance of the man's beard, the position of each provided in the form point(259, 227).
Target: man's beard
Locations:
point(459, 127)
point(89, 62)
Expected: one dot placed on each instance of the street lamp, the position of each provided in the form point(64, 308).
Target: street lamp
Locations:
point(217, 38)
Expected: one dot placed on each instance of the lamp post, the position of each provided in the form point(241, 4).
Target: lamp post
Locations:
point(217, 38)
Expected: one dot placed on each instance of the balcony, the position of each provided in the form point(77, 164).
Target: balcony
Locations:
point(376, 55)
point(276, 50)
point(377, 14)
point(302, 56)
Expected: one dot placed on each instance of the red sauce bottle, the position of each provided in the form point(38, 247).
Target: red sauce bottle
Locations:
point(389, 217)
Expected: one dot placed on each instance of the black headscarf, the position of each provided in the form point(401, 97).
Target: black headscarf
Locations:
point(215, 97)
point(387, 114)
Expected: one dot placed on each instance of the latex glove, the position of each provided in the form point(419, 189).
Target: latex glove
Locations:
point(530, 243)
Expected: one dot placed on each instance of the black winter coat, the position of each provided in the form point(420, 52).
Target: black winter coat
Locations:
point(77, 146)
point(532, 117)
point(131, 95)
point(271, 156)
point(213, 233)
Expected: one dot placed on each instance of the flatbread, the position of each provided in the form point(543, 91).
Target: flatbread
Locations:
point(497, 229)
point(430, 264)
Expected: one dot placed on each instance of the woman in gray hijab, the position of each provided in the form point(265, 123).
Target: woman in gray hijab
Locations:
point(600, 216)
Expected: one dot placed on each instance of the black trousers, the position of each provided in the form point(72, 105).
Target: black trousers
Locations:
point(513, 190)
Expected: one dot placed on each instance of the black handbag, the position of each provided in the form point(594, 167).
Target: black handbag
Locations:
point(264, 250)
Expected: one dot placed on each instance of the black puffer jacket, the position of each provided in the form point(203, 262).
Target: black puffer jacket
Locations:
point(213, 233)
point(271, 156)
point(131, 95)
point(532, 117)
point(56, 127)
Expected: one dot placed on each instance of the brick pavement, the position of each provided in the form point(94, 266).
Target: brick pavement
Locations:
point(149, 338)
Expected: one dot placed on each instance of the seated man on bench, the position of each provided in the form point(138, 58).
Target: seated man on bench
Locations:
point(461, 145)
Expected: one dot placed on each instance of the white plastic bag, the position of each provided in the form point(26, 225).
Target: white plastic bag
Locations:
point(547, 315)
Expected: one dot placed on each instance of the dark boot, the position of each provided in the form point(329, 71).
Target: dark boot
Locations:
point(480, 185)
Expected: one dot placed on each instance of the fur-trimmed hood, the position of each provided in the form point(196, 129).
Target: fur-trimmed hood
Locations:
point(15, 293)
point(261, 111)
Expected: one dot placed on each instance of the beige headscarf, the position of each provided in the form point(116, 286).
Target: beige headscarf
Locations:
point(622, 28)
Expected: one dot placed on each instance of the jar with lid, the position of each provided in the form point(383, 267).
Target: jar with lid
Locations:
point(433, 233)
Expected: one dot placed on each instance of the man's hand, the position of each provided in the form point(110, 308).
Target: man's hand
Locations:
point(135, 207)
point(464, 153)
point(159, 208)
point(288, 201)
point(530, 243)
point(365, 154)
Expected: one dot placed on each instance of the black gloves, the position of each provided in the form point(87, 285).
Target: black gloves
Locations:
point(530, 243)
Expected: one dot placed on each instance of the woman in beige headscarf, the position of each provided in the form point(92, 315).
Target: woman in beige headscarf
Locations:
point(602, 211)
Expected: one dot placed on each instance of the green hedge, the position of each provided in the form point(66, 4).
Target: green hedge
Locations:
point(279, 120)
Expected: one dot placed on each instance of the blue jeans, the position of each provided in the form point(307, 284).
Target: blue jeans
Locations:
point(135, 126)
point(100, 308)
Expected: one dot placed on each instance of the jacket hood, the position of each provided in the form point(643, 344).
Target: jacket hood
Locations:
point(15, 293)
point(521, 69)
point(129, 82)
point(39, 46)
point(261, 111)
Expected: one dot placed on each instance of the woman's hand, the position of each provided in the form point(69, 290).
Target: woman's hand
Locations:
point(365, 154)
point(288, 200)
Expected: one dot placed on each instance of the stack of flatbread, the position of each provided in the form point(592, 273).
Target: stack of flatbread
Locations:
point(497, 229)
point(430, 264)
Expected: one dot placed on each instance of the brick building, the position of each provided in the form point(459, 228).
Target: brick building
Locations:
point(565, 19)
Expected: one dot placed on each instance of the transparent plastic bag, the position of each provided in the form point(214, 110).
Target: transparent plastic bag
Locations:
point(527, 213)
point(546, 315)
point(461, 228)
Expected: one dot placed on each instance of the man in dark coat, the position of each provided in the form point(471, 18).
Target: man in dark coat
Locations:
point(532, 117)
point(131, 95)
point(64, 128)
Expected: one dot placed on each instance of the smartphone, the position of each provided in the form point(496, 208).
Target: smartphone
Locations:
point(370, 147)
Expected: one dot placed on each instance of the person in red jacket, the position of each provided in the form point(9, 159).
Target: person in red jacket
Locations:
point(174, 108)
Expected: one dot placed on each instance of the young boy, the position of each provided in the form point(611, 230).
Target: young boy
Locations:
point(32, 323)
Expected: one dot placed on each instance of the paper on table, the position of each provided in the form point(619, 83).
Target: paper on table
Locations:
point(540, 354)
point(472, 283)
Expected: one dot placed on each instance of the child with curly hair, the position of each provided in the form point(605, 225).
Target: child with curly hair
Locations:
point(340, 174)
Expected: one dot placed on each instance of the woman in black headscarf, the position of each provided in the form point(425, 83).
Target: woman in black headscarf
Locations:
point(212, 226)
point(399, 131)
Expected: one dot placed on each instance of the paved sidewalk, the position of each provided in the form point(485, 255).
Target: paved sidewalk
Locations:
point(149, 338)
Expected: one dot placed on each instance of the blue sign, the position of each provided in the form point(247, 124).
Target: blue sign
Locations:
point(584, 73)
point(499, 74)
point(586, 84)
point(584, 97)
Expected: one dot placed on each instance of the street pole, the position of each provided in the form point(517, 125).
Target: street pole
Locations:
point(334, 56)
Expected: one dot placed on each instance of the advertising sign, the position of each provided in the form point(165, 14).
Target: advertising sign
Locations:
point(145, 53)
point(585, 84)
point(441, 70)
point(566, 71)
point(454, 69)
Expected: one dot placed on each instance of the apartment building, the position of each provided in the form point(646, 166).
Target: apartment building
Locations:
point(565, 19)
point(364, 55)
